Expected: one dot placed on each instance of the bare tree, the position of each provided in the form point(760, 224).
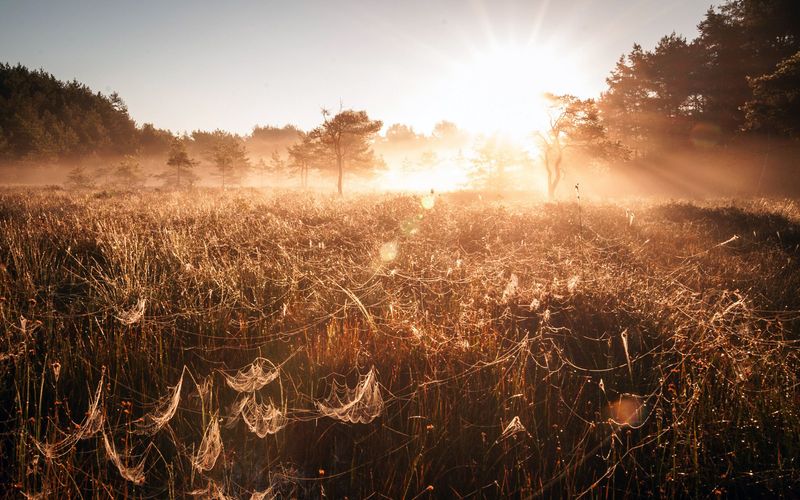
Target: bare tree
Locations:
point(574, 125)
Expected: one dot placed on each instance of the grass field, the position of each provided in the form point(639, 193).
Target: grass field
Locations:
point(396, 346)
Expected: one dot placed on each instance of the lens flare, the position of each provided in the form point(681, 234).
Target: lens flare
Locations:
point(628, 410)
point(388, 251)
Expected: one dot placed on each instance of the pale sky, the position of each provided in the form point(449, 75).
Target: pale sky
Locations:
point(211, 64)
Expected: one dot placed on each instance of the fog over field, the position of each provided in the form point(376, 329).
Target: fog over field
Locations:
point(417, 250)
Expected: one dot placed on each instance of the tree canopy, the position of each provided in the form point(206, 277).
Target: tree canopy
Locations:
point(44, 119)
point(775, 106)
point(180, 166)
point(347, 138)
point(301, 156)
point(226, 152)
point(657, 98)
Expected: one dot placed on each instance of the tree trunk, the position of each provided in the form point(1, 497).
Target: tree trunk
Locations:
point(553, 179)
point(340, 164)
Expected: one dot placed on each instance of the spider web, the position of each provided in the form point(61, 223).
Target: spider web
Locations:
point(362, 404)
point(91, 425)
point(261, 418)
point(134, 474)
point(260, 373)
point(164, 412)
point(210, 447)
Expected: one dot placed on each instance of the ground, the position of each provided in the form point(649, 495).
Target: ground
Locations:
point(442, 346)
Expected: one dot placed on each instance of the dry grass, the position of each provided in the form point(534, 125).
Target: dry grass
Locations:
point(468, 348)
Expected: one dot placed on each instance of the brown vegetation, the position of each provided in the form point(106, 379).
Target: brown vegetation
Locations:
point(497, 349)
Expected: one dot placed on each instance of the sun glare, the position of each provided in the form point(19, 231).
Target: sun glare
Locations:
point(496, 92)
point(500, 90)
point(447, 176)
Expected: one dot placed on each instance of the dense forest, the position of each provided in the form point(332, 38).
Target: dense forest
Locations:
point(739, 75)
point(44, 119)
point(733, 88)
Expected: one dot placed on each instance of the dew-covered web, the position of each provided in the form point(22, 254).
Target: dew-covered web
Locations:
point(91, 425)
point(164, 411)
point(512, 429)
point(132, 473)
point(210, 447)
point(361, 404)
point(133, 315)
point(211, 491)
point(260, 418)
point(260, 373)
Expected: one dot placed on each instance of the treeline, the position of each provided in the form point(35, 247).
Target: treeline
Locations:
point(44, 119)
point(740, 76)
point(343, 142)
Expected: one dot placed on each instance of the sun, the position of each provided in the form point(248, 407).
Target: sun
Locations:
point(500, 89)
point(497, 93)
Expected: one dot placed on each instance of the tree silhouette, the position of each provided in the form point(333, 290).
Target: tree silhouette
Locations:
point(44, 119)
point(347, 138)
point(277, 164)
point(574, 125)
point(402, 135)
point(301, 155)
point(229, 156)
point(263, 140)
point(653, 97)
point(128, 172)
point(154, 141)
point(775, 106)
point(179, 172)
point(493, 164)
point(79, 178)
point(262, 168)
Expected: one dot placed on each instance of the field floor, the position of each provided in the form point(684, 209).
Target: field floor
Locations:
point(241, 345)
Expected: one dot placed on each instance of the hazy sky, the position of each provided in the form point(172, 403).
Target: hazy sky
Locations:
point(234, 64)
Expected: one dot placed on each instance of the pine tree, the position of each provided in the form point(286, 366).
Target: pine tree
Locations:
point(301, 155)
point(347, 139)
point(79, 178)
point(229, 156)
point(128, 173)
point(179, 173)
